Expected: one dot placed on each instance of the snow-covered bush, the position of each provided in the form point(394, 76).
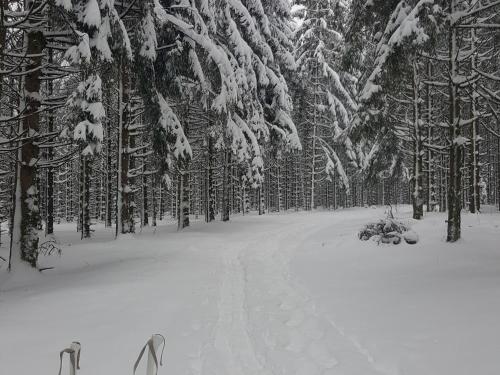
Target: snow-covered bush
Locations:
point(388, 230)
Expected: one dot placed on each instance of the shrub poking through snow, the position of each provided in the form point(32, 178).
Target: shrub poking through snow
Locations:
point(387, 231)
point(49, 248)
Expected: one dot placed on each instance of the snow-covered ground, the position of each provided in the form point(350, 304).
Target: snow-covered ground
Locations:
point(295, 293)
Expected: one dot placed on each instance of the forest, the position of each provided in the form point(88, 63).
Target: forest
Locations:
point(250, 187)
point(128, 111)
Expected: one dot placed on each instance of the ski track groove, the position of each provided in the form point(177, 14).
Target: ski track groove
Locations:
point(268, 324)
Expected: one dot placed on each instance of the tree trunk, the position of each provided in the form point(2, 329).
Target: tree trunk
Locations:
point(50, 156)
point(183, 196)
point(24, 244)
point(210, 192)
point(225, 186)
point(314, 140)
point(474, 176)
point(456, 148)
point(162, 200)
point(124, 221)
point(130, 183)
point(145, 206)
point(431, 193)
point(260, 198)
point(87, 173)
point(109, 180)
point(417, 198)
point(154, 199)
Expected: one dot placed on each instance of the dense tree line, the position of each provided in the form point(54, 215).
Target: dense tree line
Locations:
point(431, 98)
point(126, 111)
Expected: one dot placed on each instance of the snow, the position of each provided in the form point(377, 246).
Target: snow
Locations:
point(101, 40)
point(148, 38)
point(460, 141)
point(92, 14)
point(295, 293)
point(87, 99)
point(66, 4)
point(411, 237)
point(404, 23)
point(229, 89)
point(75, 54)
point(169, 121)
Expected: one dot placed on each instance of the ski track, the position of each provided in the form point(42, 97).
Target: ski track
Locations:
point(267, 323)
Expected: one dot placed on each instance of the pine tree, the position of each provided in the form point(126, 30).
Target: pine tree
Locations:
point(328, 104)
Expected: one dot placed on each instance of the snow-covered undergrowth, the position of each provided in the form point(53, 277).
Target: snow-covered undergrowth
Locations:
point(388, 231)
point(282, 294)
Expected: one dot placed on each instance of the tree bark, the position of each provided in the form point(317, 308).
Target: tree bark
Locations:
point(183, 196)
point(210, 191)
point(474, 172)
point(50, 156)
point(109, 179)
point(225, 186)
point(124, 221)
point(25, 238)
point(431, 192)
point(87, 180)
point(456, 149)
point(417, 196)
point(145, 206)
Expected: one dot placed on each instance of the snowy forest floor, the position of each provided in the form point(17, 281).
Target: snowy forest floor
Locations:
point(294, 293)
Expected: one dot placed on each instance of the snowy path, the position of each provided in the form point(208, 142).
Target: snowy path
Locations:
point(296, 338)
point(268, 324)
point(295, 294)
point(232, 338)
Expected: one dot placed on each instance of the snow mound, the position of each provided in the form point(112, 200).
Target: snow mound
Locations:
point(411, 237)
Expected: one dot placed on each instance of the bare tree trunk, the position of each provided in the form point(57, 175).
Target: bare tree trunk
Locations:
point(154, 199)
point(225, 186)
point(431, 193)
point(279, 187)
point(124, 221)
point(109, 179)
point(24, 244)
point(184, 188)
point(162, 200)
point(50, 171)
point(456, 148)
point(313, 156)
point(417, 178)
point(474, 176)
point(260, 198)
point(145, 206)
point(183, 196)
point(131, 193)
point(87, 173)
point(210, 191)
